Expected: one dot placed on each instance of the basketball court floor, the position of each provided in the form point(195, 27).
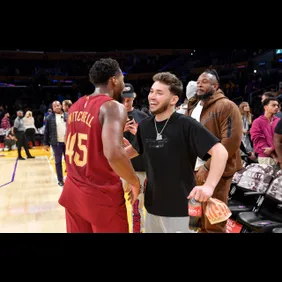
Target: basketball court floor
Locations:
point(29, 194)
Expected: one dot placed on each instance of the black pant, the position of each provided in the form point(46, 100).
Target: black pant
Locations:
point(30, 136)
point(22, 143)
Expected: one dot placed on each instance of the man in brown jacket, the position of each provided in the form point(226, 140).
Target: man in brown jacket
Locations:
point(222, 118)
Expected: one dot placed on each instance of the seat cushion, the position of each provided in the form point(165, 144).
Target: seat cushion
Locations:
point(257, 222)
point(236, 207)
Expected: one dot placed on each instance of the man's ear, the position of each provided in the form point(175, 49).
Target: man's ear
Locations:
point(174, 100)
point(216, 86)
point(113, 80)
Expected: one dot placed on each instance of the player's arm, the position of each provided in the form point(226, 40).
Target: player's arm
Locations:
point(113, 117)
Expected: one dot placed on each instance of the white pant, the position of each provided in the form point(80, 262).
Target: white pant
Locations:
point(137, 212)
point(165, 224)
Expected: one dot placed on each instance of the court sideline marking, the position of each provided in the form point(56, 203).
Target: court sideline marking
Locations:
point(13, 175)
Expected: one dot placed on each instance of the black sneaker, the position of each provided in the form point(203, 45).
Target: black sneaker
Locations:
point(61, 183)
point(21, 159)
point(30, 157)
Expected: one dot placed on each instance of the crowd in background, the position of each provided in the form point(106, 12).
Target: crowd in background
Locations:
point(39, 92)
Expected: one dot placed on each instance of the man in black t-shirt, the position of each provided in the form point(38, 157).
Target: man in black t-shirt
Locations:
point(278, 141)
point(170, 143)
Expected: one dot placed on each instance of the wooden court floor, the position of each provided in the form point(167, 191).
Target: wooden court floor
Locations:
point(29, 194)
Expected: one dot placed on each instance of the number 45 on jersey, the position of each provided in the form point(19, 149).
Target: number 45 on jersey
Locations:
point(78, 157)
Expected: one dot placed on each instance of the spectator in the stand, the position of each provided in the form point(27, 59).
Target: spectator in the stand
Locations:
point(5, 123)
point(278, 142)
point(271, 95)
point(258, 109)
point(191, 91)
point(262, 133)
point(29, 128)
point(247, 122)
point(247, 151)
point(66, 105)
point(265, 95)
point(221, 117)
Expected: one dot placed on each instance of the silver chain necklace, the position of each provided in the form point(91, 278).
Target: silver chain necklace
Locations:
point(159, 135)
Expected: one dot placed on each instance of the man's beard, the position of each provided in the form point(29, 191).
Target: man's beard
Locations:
point(160, 110)
point(205, 96)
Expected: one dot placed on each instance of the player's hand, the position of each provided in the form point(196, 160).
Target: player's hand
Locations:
point(134, 191)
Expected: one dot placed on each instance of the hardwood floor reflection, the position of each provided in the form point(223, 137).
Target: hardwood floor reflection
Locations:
point(29, 197)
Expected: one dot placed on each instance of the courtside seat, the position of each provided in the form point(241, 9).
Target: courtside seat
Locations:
point(252, 183)
point(236, 207)
point(266, 219)
point(244, 200)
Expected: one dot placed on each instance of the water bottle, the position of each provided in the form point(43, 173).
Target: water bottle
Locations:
point(195, 215)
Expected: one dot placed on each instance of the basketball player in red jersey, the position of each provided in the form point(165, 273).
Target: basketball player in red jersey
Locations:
point(93, 196)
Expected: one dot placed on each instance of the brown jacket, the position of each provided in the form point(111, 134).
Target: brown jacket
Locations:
point(222, 118)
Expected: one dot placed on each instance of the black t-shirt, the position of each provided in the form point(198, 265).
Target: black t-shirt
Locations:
point(137, 162)
point(170, 162)
point(278, 128)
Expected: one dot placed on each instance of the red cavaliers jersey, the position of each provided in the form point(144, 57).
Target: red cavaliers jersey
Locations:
point(90, 182)
point(85, 159)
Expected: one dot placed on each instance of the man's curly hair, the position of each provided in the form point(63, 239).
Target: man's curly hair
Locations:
point(102, 70)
